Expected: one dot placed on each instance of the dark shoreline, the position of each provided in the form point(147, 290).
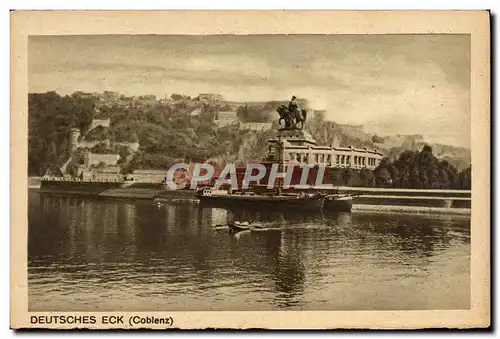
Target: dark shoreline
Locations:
point(369, 199)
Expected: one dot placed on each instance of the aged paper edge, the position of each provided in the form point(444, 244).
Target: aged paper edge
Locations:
point(475, 23)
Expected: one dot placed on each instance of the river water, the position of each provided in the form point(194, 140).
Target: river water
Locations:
point(102, 255)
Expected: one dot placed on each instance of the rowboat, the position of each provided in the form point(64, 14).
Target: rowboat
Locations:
point(236, 226)
point(338, 203)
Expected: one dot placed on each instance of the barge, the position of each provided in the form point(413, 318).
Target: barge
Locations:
point(209, 197)
point(78, 187)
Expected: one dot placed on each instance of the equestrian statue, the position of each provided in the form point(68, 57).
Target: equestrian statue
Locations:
point(292, 115)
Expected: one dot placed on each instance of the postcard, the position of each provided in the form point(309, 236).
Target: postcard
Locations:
point(250, 169)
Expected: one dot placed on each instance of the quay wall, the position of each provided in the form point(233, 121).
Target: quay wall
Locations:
point(404, 191)
point(77, 187)
point(446, 199)
point(130, 193)
point(410, 197)
point(410, 210)
point(404, 197)
point(412, 201)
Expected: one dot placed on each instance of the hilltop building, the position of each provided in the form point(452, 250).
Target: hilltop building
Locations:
point(355, 131)
point(226, 118)
point(209, 97)
point(85, 95)
point(110, 96)
point(99, 122)
point(256, 126)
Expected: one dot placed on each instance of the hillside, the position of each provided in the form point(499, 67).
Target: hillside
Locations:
point(185, 130)
point(392, 146)
point(167, 132)
point(459, 157)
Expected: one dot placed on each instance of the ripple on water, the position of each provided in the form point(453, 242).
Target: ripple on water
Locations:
point(132, 257)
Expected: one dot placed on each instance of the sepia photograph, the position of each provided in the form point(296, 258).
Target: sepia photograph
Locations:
point(167, 173)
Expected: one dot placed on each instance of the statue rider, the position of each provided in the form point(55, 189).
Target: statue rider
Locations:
point(292, 106)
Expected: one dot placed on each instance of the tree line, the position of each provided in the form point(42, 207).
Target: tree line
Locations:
point(50, 117)
point(420, 170)
point(169, 134)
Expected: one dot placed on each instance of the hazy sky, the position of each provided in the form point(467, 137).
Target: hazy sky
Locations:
point(389, 83)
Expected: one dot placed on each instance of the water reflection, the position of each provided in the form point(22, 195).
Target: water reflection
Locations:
point(139, 254)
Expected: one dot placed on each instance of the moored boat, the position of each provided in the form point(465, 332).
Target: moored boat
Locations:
point(78, 187)
point(338, 203)
point(236, 226)
point(219, 198)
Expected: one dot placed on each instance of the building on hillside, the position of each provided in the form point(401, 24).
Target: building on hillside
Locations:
point(99, 122)
point(91, 144)
point(100, 104)
point(93, 159)
point(109, 96)
point(226, 118)
point(111, 173)
point(146, 100)
point(149, 175)
point(256, 126)
point(210, 97)
point(405, 141)
point(134, 146)
point(74, 136)
point(84, 95)
point(90, 159)
point(355, 131)
point(144, 103)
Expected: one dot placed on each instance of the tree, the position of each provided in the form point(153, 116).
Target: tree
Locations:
point(72, 169)
point(413, 169)
point(366, 178)
point(347, 176)
point(383, 173)
point(50, 118)
point(177, 97)
point(463, 180)
point(427, 149)
point(378, 140)
point(101, 148)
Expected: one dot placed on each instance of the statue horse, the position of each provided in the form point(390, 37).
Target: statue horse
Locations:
point(292, 118)
point(284, 115)
point(300, 116)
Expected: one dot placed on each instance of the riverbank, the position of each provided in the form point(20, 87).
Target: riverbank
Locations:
point(410, 209)
point(366, 200)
